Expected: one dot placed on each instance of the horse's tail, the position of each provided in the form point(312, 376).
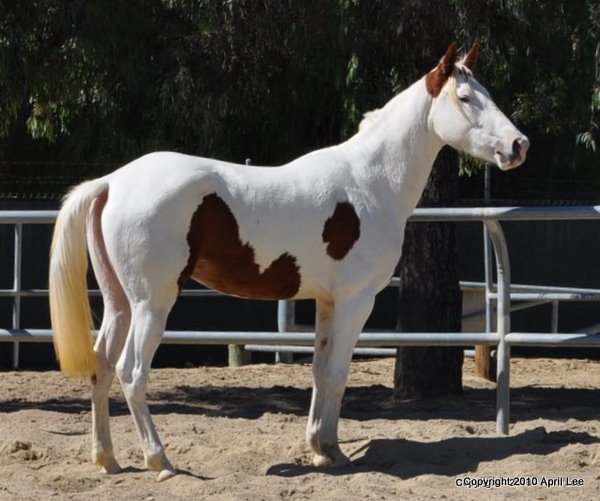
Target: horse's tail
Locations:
point(69, 304)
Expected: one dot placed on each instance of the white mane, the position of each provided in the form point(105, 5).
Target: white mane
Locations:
point(369, 118)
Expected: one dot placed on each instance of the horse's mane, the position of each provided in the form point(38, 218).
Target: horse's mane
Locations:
point(369, 118)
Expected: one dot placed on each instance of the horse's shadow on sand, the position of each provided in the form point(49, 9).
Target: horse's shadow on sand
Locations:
point(180, 472)
point(450, 457)
point(361, 403)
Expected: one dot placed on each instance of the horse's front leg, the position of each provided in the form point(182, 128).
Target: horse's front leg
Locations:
point(338, 326)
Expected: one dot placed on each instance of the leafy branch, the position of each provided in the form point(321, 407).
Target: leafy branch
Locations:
point(588, 138)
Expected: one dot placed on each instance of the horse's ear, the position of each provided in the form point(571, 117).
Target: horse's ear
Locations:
point(447, 62)
point(437, 78)
point(471, 58)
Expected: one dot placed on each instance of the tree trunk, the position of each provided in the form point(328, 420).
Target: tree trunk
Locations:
point(429, 296)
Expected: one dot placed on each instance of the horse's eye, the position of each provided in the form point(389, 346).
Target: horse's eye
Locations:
point(464, 99)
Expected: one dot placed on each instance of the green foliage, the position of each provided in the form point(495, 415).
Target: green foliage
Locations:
point(551, 98)
point(90, 83)
point(588, 138)
point(537, 58)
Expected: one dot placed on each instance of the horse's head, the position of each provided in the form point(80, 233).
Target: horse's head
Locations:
point(464, 116)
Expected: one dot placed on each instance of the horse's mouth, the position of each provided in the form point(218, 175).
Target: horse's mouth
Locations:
point(508, 162)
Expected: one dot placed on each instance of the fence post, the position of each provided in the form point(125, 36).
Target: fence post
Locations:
point(17, 284)
point(237, 355)
point(554, 320)
point(503, 326)
point(285, 319)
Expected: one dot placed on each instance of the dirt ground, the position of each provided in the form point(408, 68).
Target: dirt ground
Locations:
point(239, 434)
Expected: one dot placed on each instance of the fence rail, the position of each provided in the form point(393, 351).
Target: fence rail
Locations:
point(499, 294)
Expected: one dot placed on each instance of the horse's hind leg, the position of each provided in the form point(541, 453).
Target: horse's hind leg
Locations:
point(108, 348)
point(111, 337)
point(338, 327)
point(147, 327)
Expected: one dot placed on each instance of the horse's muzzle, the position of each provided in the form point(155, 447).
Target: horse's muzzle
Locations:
point(515, 156)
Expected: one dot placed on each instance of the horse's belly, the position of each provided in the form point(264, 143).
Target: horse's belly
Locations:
point(240, 276)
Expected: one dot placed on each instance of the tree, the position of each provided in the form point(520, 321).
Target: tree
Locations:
point(83, 85)
point(81, 81)
point(588, 138)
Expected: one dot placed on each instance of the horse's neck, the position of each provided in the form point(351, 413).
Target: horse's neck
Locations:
point(399, 147)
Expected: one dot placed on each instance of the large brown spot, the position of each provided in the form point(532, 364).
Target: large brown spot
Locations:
point(220, 260)
point(341, 230)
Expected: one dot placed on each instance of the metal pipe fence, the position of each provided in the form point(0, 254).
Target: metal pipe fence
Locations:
point(498, 295)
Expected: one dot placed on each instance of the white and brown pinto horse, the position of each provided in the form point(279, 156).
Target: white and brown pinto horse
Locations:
point(327, 226)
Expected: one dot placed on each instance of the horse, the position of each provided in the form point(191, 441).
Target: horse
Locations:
point(327, 226)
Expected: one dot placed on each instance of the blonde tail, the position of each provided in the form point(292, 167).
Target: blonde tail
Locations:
point(69, 303)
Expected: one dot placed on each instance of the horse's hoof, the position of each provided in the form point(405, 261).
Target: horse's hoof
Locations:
point(112, 469)
point(166, 474)
point(107, 463)
point(338, 460)
point(159, 462)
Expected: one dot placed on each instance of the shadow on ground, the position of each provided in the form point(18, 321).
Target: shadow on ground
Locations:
point(360, 403)
point(450, 457)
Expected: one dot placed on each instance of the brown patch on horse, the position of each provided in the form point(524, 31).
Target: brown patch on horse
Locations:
point(220, 260)
point(436, 79)
point(341, 230)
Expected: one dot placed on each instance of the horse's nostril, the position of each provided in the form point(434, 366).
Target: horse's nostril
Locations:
point(516, 146)
point(520, 146)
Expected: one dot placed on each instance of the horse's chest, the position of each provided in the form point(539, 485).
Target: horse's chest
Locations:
point(219, 259)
